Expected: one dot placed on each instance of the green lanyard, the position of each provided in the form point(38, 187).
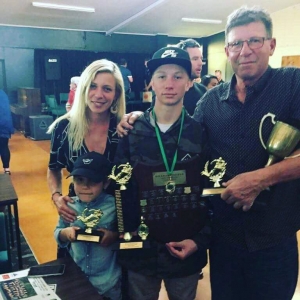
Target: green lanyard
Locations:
point(163, 153)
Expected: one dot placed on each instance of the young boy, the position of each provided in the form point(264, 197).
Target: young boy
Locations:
point(97, 260)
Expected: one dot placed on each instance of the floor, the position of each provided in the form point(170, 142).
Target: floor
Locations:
point(38, 216)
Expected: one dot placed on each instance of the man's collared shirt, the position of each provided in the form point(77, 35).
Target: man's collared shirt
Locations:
point(232, 130)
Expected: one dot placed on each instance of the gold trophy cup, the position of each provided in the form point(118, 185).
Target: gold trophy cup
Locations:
point(282, 140)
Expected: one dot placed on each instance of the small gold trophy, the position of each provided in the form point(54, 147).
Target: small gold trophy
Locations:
point(122, 178)
point(90, 218)
point(282, 141)
point(215, 175)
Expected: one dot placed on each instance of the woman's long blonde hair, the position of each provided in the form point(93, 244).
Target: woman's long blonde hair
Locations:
point(78, 115)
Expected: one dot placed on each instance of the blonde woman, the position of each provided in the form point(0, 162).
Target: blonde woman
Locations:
point(89, 126)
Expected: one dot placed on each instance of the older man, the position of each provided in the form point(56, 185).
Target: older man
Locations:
point(254, 253)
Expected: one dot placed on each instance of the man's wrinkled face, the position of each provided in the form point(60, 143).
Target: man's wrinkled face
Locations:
point(250, 64)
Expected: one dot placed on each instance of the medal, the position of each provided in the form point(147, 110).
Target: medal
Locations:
point(170, 185)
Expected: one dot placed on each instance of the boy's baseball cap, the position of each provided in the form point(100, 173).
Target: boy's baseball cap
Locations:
point(93, 166)
point(170, 55)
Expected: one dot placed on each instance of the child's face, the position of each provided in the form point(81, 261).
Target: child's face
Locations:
point(86, 189)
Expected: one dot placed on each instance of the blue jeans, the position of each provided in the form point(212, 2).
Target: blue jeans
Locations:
point(143, 287)
point(267, 274)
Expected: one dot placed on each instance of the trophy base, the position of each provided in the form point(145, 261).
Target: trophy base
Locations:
point(135, 243)
point(212, 192)
point(83, 236)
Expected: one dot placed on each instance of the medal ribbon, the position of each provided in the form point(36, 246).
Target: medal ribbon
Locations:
point(161, 146)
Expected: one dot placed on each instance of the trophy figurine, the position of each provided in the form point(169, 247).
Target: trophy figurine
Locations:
point(215, 175)
point(282, 140)
point(90, 218)
point(129, 241)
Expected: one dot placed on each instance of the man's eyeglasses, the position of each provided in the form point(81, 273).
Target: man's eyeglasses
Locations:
point(253, 43)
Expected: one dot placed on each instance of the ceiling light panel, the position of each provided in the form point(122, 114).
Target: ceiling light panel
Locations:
point(208, 21)
point(63, 7)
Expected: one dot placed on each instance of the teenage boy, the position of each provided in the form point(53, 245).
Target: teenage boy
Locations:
point(165, 150)
point(97, 261)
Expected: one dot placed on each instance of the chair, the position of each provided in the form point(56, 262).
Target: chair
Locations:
point(5, 256)
point(63, 98)
point(56, 110)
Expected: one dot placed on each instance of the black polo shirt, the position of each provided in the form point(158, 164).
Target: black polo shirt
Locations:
point(232, 130)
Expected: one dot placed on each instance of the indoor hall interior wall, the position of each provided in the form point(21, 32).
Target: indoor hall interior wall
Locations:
point(19, 70)
point(74, 62)
point(18, 53)
point(286, 24)
point(216, 56)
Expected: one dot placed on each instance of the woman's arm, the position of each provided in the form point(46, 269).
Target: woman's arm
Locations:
point(54, 179)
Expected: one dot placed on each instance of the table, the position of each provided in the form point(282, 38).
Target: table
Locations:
point(73, 284)
point(9, 197)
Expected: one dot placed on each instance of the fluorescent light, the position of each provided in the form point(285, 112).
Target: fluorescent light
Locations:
point(201, 21)
point(63, 7)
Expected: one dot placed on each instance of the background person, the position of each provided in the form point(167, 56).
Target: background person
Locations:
point(73, 86)
point(126, 74)
point(218, 73)
point(209, 81)
point(179, 235)
point(256, 218)
point(96, 260)
point(197, 90)
point(147, 76)
point(6, 130)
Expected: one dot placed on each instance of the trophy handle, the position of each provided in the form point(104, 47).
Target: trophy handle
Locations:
point(272, 116)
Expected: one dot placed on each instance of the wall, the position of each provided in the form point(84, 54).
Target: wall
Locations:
point(18, 45)
point(216, 56)
point(286, 25)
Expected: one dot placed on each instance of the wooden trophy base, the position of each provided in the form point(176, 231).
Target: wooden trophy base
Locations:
point(94, 237)
point(212, 192)
point(134, 243)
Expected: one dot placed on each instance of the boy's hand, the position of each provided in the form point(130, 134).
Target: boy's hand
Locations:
point(68, 234)
point(182, 249)
point(108, 238)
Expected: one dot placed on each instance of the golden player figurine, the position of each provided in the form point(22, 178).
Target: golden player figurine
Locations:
point(215, 175)
point(90, 218)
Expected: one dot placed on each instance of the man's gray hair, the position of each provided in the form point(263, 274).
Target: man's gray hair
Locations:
point(246, 15)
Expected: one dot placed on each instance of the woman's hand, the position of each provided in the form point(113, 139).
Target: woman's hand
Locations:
point(68, 214)
point(126, 123)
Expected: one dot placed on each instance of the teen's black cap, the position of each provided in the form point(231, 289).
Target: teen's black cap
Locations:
point(170, 55)
point(92, 165)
